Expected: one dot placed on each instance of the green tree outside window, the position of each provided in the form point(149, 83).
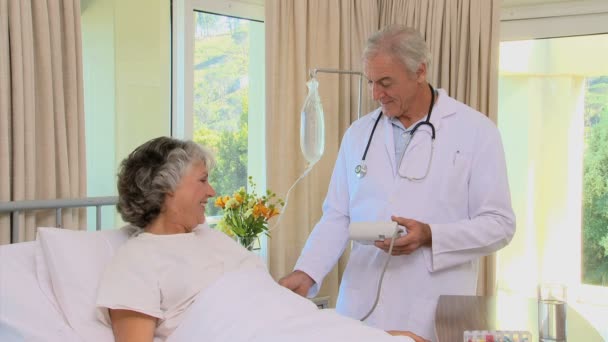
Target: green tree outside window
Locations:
point(221, 62)
point(595, 184)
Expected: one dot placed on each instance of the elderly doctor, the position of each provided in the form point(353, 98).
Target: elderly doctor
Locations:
point(433, 165)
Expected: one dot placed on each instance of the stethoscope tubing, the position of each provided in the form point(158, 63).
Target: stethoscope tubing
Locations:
point(361, 169)
point(369, 141)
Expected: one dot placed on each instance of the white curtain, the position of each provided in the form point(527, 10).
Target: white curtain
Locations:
point(42, 151)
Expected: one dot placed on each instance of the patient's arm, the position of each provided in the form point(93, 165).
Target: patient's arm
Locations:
point(408, 334)
point(132, 326)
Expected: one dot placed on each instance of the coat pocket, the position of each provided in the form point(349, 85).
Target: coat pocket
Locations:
point(455, 181)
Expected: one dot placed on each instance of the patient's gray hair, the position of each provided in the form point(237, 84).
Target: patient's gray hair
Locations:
point(404, 43)
point(150, 172)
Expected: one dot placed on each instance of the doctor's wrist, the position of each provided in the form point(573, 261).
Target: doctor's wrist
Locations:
point(428, 235)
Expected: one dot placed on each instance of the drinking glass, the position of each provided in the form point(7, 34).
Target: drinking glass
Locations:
point(552, 312)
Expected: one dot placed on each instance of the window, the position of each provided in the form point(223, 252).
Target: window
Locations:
point(595, 184)
point(218, 89)
point(126, 54)
point(553, 117)
point(221, 96)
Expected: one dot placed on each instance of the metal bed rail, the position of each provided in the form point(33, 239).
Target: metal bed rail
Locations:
point(16, 207)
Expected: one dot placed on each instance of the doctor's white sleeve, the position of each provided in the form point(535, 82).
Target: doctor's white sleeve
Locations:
point(491, 223)
point(329, 237)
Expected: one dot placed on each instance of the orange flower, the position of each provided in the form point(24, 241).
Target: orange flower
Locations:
point(260, 210)
point(272, 212)
point(245, 213)
point(220, 201)
point(257, 211)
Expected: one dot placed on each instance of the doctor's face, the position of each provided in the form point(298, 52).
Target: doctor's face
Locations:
point(393, 86)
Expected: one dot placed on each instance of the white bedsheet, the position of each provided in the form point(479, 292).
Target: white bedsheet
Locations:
point(250, 306)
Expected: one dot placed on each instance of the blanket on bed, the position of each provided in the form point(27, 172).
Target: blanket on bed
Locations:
point(250, 306)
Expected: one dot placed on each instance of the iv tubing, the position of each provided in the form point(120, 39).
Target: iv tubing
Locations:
point(306, 171)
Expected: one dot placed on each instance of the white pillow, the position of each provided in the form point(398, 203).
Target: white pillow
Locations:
point(75, 262)
point(43, 277)
point(24, 309)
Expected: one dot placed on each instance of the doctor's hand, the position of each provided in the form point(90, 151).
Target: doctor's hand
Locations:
point(418, 234)
point(298, 282)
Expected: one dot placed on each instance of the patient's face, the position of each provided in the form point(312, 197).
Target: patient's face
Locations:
point(189, 199)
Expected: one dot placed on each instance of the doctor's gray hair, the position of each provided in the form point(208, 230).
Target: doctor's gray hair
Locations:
point(404, 43)
point(150, 172)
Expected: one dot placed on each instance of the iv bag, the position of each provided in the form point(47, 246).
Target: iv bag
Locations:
point(312, 124)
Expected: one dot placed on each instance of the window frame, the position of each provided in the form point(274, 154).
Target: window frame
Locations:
point(182, 53)
point(182, 79)
point(570, 18)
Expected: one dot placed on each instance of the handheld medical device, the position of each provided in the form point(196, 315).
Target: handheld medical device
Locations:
point(368, 232)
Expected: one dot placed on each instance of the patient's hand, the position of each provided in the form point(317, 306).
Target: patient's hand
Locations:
point(408, 334)
point(298, 282)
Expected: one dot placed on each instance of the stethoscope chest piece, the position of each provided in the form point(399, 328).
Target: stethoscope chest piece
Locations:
point(361, 170)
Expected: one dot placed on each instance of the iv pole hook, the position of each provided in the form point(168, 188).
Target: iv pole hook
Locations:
point(313, 74)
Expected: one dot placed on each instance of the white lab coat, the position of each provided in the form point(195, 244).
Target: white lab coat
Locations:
point(465, 199)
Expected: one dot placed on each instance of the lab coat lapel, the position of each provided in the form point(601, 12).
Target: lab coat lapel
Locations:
point(443, 108)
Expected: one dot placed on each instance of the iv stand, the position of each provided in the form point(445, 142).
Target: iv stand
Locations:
point(313, 74)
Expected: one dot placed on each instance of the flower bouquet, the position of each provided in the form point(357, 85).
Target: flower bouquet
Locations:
point(246, 215)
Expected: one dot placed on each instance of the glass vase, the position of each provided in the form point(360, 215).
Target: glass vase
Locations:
point(247, 241)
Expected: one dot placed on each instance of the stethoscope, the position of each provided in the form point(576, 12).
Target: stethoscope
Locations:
point(361, 169)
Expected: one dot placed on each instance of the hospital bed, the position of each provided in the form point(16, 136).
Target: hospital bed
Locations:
point(48, 286)
point(48, 289)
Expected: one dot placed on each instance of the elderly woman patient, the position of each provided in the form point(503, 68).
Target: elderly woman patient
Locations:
point(163, 188)
point(156, 277)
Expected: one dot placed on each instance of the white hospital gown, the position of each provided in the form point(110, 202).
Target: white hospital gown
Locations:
point(160, 275)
